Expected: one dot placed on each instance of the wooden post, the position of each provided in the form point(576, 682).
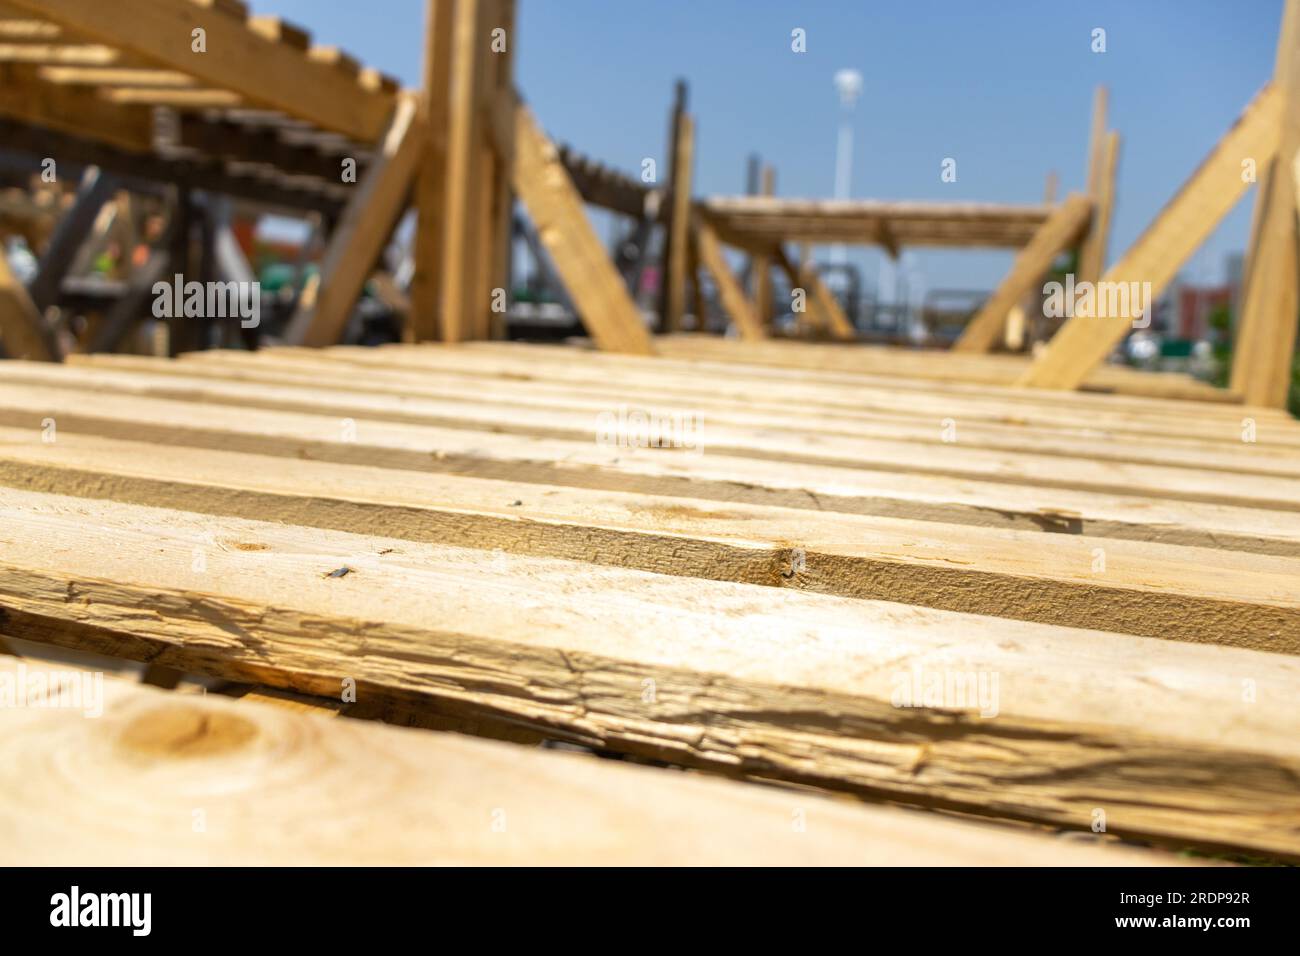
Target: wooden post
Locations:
point(673, 280)
point(463, 269)
point(425, 322)
point(1266, 332)
point(1181, 226)
point(760, 278)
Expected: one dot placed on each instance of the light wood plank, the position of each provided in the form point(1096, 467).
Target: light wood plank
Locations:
point(421, 798)
point(265, 72)
point(737, 670)
point(1182, 225)
point(1157, 591)
point(679, 220)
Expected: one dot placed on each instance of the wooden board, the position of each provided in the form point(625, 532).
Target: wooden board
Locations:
point(197, 780)
point(265, 71)
point(734, 301)
point(1159, 734)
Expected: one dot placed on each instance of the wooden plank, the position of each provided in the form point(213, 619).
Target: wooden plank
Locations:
point(360, 236)
point(72, 110)
point(734, 301)
point(824, 309)
point(736, 669)
point(940, 366)
point(495, 157)
point(109, 76)
point(1060, 230)
point(23, 330)
point(1264, 350)
point(1182, 225)
point(431, 177)
point(757, 429)
point(1140, 509)
point(238, 59)
point(679, 221)
point(1178, 593)
point(607, 310)
point(151, 752)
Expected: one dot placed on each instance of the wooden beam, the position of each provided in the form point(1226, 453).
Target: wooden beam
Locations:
point(1265, 346)
point(110, 76)
point(1182, 225)
point(73, 110)
point(434, 798)
point(738, 307)
point(679, 222)
point(359, 238)
point(23, 330)
point(496, 155)
point(265, 72)
point(607, 310)
point(822, 307)
point(426, 322)
point(1031, 264)
point(736, 670)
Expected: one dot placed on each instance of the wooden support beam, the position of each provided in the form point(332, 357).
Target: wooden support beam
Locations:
point(607, 310)
point(734, 301)
point(1265, 346)
point(265, 72)
point(1182, 225)
point(112, 76)
point(677, 238)
point(23, 330)
point(359, 238)
point(1031, 264)
point(97, 188)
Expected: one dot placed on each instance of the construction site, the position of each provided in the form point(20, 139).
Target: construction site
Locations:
point(374, 461)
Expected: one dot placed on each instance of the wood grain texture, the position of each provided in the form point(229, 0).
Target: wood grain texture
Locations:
point(752, 680)
point(155, 763)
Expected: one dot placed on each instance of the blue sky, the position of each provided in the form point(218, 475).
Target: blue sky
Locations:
point(1003, 87)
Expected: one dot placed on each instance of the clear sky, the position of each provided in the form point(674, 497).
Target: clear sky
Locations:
point(1002, 86)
